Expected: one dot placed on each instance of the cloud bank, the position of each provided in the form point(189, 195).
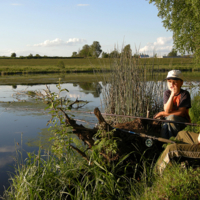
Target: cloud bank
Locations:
point(59, 42)
point(162, 44)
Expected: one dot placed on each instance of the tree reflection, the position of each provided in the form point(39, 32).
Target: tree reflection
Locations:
point(94, 88)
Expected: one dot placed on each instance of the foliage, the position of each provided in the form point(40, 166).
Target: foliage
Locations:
point(95, 49)
point(127, 50)
point(105, 55)
point(85, 51)
point(13, 55)
point(194, 113)
point(114, 54)
point(30, 56)
point(74, 54)
point(173, 53)
point(37, 56)
point(181, 17)
point(61, 64)
point(175, 183)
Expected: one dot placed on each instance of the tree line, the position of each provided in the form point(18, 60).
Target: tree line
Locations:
point(95, 51)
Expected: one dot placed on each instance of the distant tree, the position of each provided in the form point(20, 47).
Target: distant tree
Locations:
point(37, 56)
point(13, 55)
point(30, 56)
point(74, 54)
point(85, 51)
point(182, 18)
point(173, 53)
point(115, 54)
point(105, 55)
point(136, 55)
point(95, 49)
point(45, 56)
point(127, 51)
point(155, 55)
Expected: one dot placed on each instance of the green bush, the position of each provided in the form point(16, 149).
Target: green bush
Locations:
point(61, 64)
point(194, 113)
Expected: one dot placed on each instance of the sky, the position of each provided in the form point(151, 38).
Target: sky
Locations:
point(60, 27)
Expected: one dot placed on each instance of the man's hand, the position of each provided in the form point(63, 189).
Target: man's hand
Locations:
point(160, 114)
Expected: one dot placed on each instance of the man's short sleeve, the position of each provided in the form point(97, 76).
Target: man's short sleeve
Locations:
point(166, 96)
point(185, 99)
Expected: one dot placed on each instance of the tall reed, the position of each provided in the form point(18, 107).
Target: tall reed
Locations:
point(133, 88)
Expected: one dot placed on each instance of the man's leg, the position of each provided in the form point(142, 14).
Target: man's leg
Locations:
point(187, 137)
point(177, 150)
point(170, 129)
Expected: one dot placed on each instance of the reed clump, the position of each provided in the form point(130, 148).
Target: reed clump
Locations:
point(133, 88)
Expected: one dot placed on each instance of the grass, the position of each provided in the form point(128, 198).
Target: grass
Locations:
point(176, 183)
point(44, 176)
point(33, 79)
point(87, 64)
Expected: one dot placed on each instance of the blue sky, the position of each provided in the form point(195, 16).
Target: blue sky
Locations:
point(59, 27)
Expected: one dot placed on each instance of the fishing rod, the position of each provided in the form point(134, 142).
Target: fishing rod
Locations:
point(149, 141)
point(149, 119)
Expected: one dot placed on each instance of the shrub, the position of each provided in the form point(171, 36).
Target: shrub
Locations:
point(61, 64)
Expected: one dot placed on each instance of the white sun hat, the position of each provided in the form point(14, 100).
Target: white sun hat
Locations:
point(174, 74)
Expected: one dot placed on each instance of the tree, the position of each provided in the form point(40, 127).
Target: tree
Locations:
point(127, 51)
point(105, 55)
point(30, 56)
point(95, 49)
point(115, 54)
point(74, 54)
point(182, 17)
point(85, 51)
point(173, 53)
point(13, 55)
point(37, 56)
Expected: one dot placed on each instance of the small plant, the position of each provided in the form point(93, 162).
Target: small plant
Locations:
point(61, 64)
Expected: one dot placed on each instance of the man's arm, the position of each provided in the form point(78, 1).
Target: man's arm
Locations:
point(169, 105)
point(179, 112)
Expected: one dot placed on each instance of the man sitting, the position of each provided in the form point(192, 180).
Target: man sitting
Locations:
point(176, 105)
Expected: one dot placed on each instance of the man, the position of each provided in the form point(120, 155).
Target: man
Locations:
point(190, 148)
point(176, 105)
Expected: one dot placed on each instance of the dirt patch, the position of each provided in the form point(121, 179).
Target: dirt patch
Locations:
point(141, 126)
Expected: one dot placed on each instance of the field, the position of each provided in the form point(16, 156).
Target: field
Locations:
point(88, 64)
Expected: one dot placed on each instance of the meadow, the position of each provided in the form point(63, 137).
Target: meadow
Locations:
point(44, 65)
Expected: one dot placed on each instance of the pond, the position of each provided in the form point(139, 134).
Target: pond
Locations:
point(23, 120)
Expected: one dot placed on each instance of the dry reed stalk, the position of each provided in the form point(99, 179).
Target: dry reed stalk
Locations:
point(133, 88)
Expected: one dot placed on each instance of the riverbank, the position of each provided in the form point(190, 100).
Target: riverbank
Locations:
point(29, 66)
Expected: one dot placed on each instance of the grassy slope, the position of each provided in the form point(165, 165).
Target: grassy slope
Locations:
point(73, 65)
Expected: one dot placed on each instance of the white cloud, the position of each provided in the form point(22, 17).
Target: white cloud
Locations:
point(82, 4)
point(59, 42)
point(162, 44)
point(8, 149)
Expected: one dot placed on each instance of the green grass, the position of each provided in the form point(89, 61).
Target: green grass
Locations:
point(44, 176)
point(87, 64)
point(175, 183)
point(31, 79)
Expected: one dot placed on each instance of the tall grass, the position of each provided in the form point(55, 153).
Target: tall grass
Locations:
point(133, 88)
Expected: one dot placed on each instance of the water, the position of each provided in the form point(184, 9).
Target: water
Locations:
point(23, 120)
